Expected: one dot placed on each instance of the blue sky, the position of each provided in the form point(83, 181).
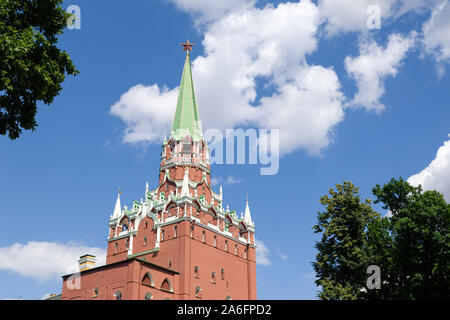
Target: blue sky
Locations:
point(351, 104)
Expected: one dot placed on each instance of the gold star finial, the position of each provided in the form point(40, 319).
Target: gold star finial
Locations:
point(187, 46)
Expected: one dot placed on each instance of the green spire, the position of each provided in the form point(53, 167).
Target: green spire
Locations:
point(186, 115)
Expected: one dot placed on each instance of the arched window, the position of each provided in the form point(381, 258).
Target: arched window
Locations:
point(226, 245)
point(204, 236)
point(245, 253)
point(127, 244)
point(166, 285)
point(227, 223)
point(148, 280)
point(236, 249)
point(228, 298)
point(148, 296)
point(145, 241)
point(197, 271)
point(95, 292)
point(116, 247)
point(192, 230)
point(215, 241)
point(198, 290)
point(222, 274)
point(213, 277)
point(118, 295)
point(175, 231)
point(162, 235)
point(125, 224)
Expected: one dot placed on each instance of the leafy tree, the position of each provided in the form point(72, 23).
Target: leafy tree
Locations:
point(411, 245)
point(378, 251)
point(341, 262)
point(32, 68)
point(420, 254)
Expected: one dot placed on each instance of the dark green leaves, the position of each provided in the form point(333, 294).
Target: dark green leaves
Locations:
point(341, 262)
point(32, 68)
point(411, 247)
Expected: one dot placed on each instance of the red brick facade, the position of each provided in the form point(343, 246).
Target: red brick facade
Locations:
point(177, 243)
point(192, 255)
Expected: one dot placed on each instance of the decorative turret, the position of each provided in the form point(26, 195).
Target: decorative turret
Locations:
point(117, 210)
point(185, 146)
point(247, 216)
point(186, 119)
point(180, 224)
point(184, 191)
point(86, 261)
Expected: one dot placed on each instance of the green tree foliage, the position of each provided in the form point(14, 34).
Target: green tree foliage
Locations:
point(411, 245)
point(32, 68)
point(419, 228)
point(378, 252)
point(341, 261)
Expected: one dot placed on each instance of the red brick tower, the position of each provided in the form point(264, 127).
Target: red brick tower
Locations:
point(179, 242)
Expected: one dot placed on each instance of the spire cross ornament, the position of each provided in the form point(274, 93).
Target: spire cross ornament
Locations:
point(187, 46)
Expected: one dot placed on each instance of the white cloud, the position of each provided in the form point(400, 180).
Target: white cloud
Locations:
point(281, 255)
point(436, 176)
point(350, 15)
point(306, 110)
point(372, 67)
point(243, 49)
point(436, 32)
point(262, 253)
point(148, 112)
point(207, 10)
point(45, 260)
point(232, 180)
point(229, 180)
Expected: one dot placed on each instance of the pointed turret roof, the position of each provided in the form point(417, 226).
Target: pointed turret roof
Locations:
point(247, 216)
point(186, 119)
point(117, 210)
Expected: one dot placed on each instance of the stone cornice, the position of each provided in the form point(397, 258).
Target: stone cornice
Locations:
point(189, 164)
point(131, 233)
